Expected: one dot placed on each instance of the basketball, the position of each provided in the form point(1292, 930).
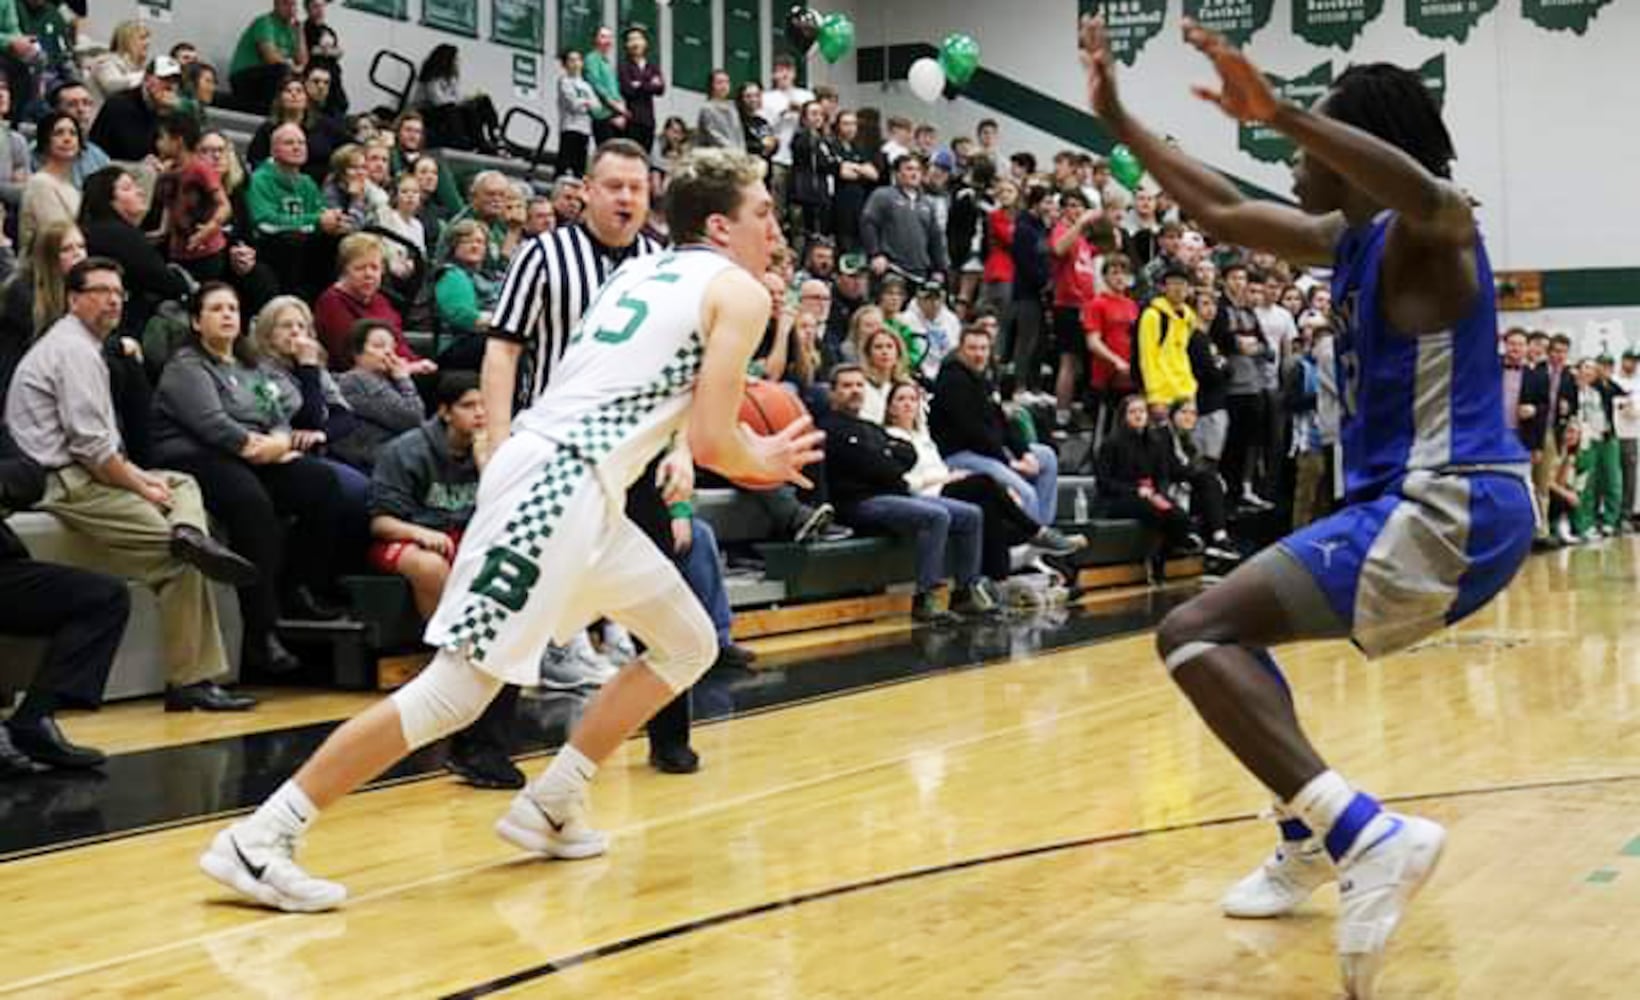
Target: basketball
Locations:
point(768, 408)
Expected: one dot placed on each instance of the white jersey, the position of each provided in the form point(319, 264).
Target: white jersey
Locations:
point(626, 379)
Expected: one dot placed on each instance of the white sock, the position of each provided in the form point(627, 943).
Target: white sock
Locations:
point(568, 775)
point(287, 811)
point(1322, 801)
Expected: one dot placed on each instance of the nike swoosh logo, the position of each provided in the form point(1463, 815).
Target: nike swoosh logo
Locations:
point(557, 825)
point(1395, 827)
point(255, 870)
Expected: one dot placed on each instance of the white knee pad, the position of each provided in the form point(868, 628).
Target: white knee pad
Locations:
point(681, 642)
point(1187, 652)
point(445, 698)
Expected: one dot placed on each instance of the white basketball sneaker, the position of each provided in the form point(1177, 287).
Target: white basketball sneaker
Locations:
point(1375, 885)
point(556, 828)
point(264, 870)
point(1284, 880)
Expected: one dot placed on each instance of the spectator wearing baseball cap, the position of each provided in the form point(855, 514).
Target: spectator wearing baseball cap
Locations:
point(128, 123)
point(932, 323)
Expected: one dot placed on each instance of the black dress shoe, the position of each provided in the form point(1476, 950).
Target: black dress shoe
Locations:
point(44, 743)
point(13, 763)
point(304, 605)
point(674, 759)
point(206, 696)
point(735, 657)
point(485, 769)
point(211, 557)
point(268, 657)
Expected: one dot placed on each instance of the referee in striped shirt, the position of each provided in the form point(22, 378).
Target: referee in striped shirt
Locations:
point(550, 283)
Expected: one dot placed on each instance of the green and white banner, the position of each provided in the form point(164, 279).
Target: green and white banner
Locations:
point(459, 17)
point(1562, 15)
point(1236, 20)
point(1433, 73)
point(1130, 24)
point(691, 44)
point(743, 40)
point(519, 23)
point(1447, 18)
point(578, 22)
point(1264, 143)
point(526, 76)
point(398, 10)
point(1336, 23)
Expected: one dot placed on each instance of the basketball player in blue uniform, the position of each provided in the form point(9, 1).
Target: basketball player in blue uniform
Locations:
point(1437, 515)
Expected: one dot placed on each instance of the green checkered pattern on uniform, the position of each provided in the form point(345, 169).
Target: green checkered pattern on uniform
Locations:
point(589, 443)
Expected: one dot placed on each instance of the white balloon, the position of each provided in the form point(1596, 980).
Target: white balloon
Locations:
point(927, 79)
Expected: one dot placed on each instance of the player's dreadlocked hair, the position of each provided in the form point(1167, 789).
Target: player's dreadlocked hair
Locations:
point(1393, 104)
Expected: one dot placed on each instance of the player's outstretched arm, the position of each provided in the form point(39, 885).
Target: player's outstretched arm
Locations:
point(1435, 208)
point(1202, 192)
point(733, 317)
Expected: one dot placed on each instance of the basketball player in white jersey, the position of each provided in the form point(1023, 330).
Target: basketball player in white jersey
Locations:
point(664, 346)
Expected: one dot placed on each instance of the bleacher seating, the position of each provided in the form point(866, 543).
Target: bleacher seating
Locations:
point(139, 667)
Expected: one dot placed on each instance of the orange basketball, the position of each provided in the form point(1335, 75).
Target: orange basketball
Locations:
point(767, 408)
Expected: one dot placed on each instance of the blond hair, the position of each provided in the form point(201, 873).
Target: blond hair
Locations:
point(125, 37)
point(355, 248)
point(708, 182)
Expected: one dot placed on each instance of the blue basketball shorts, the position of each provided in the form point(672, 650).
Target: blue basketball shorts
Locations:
point(1427, 553)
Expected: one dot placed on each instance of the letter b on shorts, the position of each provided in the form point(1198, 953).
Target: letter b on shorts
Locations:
point(507, 578)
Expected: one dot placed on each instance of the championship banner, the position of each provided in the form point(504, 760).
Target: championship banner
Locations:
point(1236, 20)
point(1447, 18)
point(459, 17)
point(1337, 23)
point(1264, 143)
point(518, 23)
point(1562, 15)
point(398, 10)
point(1129, 24)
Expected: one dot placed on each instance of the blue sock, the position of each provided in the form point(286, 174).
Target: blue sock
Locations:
point(1347, 828)
point(1293, 830)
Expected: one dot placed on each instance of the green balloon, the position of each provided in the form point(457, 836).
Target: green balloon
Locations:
point(959, 57)
point(836, 36)
point(1126, 168)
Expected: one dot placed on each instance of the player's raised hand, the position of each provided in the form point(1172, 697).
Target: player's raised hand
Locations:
point(1243, 93)
point(1101, 68)
point(784, 455)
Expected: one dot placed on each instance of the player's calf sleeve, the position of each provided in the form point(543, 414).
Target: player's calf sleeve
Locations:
point(445, 698)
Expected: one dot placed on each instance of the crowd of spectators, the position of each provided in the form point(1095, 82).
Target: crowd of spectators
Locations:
point(966, 327)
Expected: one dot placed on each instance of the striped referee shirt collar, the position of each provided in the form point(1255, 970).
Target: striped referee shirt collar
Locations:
point(616, 253)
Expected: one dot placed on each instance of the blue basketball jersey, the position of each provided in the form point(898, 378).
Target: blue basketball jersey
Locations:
point(1409, 403)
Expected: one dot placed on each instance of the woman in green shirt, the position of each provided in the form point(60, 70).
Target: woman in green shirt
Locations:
point(463, 298)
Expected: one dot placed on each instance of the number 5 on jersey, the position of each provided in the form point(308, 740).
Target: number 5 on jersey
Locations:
point(633, 303)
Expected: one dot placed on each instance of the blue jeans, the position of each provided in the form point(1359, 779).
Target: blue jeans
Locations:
point(703, 572)
point(934, 521)
point(1039, 495)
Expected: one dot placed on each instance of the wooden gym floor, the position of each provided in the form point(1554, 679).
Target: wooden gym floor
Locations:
point(1047, 825)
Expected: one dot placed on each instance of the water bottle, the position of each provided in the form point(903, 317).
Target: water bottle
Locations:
point(1081, 505)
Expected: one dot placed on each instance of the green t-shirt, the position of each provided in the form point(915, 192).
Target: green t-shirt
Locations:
point(267, 28)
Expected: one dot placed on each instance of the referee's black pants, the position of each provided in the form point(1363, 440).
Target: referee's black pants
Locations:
point(670, 726)
point(81, 614)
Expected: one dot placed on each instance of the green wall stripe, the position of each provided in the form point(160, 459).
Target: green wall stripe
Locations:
point(1570, 288)
point(1591, 288)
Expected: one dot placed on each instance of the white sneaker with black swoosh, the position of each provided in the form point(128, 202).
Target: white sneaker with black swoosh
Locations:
point(555, 828)
point(263, 869)
point(1375, 885)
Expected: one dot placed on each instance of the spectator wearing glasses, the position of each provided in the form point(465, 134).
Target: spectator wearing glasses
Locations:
point(150, 524)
